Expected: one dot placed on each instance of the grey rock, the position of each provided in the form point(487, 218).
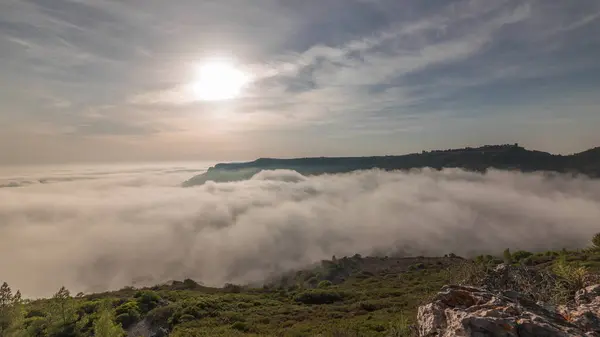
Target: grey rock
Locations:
point(470, 311)
point(143, 328)
point(587, 294)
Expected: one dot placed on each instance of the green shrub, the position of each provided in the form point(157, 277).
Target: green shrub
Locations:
point(401, 328)
point(186, 318)
point(319, 297)
point(416, 266)
point(35, 313)
point(244, 305)
point(232, 317)
point(89, 307)
point(368, 306)
point(377, 327)
point(127, 320)
point(160, 316)
point(64, 330)
point(313, 281)
point(206, 332)
point(199, 308)
point(487, 259)
point(520, 255)
point(147, 300)
point(364, 275)
point(127, 314)
point(573, 273)
point(240, 326)
point(35, 326)
point(325, 284)
point(105, 325)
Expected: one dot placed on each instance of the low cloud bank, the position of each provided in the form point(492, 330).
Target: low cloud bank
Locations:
point(143, 228)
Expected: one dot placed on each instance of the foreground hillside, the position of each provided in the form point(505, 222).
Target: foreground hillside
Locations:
point(504, 157)
point(349, 296)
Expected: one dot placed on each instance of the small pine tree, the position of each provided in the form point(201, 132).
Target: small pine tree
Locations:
point(507, 256)
point(11, 312)
point(105, 325)
point(18, 316)
point(62, 301)
point(62, 316)
point(6, 299)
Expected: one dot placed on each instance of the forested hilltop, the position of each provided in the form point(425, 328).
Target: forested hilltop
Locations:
point(342, 297)
point(480, 159)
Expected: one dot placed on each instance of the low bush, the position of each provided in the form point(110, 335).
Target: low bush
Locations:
point(520, 255)
point(160, 316)
point(240, 326)
point(325, 284)
point(198, 309)
point(127, 314)
point(147, 300)
point(368, 306)
point(319, 297)
point(416, 266)
point(35, 313)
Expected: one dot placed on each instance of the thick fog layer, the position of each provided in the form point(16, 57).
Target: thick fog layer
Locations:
point(116, 228)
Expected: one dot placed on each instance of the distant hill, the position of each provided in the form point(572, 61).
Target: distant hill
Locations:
point(503, 157)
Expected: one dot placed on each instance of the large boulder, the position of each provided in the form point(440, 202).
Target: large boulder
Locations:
point(469, 311)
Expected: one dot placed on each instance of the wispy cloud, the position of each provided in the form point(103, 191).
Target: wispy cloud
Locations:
point(366, 70)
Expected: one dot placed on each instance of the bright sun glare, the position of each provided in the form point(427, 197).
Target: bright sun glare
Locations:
point(219, 80)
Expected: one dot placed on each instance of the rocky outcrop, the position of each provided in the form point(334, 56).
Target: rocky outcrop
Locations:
point(144, 328)
point(586, 314)
point(469, 311)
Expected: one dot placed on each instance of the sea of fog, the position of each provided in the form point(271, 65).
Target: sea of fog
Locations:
point(93, 228)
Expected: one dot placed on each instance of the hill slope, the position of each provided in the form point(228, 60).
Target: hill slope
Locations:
point(343, 297)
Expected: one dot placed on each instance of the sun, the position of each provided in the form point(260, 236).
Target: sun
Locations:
point(218, 81)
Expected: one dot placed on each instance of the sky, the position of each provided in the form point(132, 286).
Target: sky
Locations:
point(108, 81)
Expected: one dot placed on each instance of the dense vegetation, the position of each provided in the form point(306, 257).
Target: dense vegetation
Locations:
point(349, 296)
point(505, 157)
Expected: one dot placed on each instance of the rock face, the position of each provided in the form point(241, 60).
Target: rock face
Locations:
point(468, 311)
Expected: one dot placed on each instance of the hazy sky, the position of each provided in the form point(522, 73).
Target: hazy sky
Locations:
point(105, 80)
